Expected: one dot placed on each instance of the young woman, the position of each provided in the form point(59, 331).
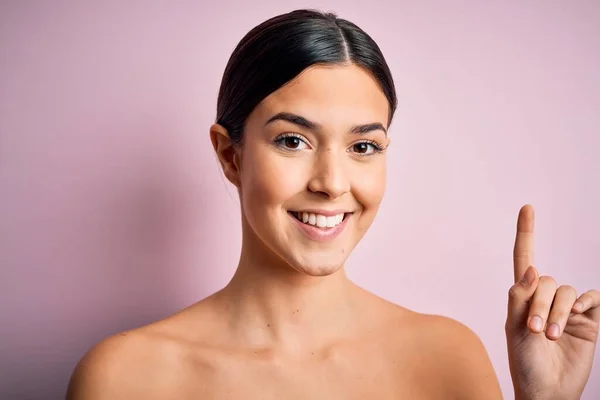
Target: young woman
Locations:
point(301, 131)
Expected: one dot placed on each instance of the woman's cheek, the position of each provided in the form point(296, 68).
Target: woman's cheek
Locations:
point(369, 185)
point(275, 179)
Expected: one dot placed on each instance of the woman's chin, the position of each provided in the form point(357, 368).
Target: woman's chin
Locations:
point(321, 266)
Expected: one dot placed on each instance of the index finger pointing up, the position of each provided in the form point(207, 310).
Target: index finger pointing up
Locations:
point(523, 251)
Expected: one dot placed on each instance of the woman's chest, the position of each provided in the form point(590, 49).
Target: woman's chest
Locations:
point(351, 375)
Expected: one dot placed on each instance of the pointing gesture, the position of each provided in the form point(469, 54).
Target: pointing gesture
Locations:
point(523, 251)
point(551, 333)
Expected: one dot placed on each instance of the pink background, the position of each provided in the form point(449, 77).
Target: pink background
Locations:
point(113, 211)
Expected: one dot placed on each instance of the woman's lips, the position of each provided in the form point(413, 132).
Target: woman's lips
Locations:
point(320, 234)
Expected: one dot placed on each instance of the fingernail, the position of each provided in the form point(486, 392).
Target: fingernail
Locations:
point(553, 330)
point(578, 306)
point(536, 323)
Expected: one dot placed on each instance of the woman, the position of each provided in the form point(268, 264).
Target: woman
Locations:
point(301, 131)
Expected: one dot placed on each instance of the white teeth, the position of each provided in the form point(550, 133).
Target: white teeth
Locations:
point(320, 221)
point(331, 221)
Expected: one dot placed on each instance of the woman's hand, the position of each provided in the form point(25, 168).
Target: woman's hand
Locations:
point(551, 332)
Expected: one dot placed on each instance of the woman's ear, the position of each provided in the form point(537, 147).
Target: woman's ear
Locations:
point(226, 152)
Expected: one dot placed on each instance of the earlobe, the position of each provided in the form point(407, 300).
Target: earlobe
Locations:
point(226, 153)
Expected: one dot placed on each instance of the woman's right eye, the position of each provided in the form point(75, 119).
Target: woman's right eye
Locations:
point(291, 142)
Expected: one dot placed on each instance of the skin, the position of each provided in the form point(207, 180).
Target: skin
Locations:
point(290, 324)
point(547, 363)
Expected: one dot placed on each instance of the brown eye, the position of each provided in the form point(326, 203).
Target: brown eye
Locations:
point(292, 142)
point(366, 148)
point(361, 148)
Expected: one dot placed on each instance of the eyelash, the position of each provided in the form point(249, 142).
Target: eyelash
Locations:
point(377, 148)
point(279, 139)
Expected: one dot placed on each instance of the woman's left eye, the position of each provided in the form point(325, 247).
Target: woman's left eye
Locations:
point(366, 148)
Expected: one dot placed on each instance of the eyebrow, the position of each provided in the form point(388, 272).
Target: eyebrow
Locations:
point(313, 126)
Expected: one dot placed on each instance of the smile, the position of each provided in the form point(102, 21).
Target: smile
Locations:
point(319, 220)
point(319, 227)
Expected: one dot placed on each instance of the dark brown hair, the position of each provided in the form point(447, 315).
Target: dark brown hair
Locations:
point(279, 49)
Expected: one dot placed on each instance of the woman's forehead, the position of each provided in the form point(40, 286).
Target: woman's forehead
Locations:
point(325, 93)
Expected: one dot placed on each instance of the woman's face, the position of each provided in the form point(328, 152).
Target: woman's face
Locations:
point(312, 167)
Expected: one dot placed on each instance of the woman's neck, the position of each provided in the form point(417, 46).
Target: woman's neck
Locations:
point(274, 306)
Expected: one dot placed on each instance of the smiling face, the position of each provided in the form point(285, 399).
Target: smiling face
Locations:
point(312, 167)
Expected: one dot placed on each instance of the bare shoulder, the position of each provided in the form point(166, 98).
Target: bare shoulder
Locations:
point(467, 362)
point(105, 370)
point(437, 352)
point(452, 355)
point(126, 365)
point(146, 362)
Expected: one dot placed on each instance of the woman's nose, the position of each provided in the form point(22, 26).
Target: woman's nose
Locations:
point(329, 177)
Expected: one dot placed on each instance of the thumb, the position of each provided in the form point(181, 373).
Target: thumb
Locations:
point(519, 297)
